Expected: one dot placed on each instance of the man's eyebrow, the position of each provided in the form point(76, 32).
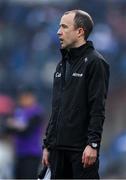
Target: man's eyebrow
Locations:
point(63, 25)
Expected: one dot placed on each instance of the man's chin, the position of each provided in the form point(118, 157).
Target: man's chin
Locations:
point(63, 47)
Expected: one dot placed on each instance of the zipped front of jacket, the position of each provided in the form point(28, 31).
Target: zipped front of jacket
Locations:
point(64, 86)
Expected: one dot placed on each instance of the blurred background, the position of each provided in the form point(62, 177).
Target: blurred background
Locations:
point(29, 52)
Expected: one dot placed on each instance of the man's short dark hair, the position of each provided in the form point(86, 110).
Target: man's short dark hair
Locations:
point(84, 20)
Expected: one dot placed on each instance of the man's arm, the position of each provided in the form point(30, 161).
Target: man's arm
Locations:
point(98, 79)
point(45, 141)
point(50, 123)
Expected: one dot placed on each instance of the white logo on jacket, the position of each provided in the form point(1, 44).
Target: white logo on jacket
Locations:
point(77, 75)
point(86, 59)
point(58, 74)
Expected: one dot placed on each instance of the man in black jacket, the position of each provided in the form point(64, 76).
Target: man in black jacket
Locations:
point(73, 135)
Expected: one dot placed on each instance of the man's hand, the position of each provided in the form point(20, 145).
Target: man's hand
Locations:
point(89, 156)
point(45, 157)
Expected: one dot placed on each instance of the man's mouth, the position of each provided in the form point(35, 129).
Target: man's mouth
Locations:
point(61, 40)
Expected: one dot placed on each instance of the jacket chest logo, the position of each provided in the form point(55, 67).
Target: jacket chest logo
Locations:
point(57, 75)
point(77, 74)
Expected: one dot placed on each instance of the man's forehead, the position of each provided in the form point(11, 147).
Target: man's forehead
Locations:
point(67, 18)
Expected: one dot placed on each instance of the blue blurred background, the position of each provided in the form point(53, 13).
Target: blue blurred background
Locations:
point(29, 52)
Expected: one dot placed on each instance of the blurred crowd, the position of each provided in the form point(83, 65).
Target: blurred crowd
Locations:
point(29, 52)
point(22, 125)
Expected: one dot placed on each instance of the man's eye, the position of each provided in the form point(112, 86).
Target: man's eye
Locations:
point(64, 26)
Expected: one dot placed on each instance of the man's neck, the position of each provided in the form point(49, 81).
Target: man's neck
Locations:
point(78, 44)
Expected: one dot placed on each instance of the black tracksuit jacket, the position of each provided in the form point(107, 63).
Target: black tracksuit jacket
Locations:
point(78, 104)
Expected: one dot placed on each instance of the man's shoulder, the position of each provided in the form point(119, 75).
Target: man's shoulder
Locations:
point(96, 57)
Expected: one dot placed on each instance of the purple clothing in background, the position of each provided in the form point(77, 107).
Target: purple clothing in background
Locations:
point(30, 143)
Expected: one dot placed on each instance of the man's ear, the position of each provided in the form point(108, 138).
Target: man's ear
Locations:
point(80, 32)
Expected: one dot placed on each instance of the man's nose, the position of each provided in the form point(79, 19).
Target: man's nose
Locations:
point(59, 32)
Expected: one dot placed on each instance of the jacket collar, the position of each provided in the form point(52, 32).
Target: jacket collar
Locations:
point(74, 53)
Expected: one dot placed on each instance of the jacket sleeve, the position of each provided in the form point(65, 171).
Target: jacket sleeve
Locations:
point(98, 80)
point(49, 130)
point(45, 140)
